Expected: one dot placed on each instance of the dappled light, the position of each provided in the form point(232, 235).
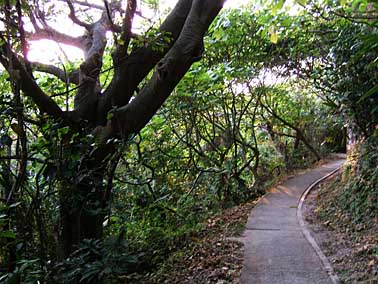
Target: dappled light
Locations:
point(137, 135)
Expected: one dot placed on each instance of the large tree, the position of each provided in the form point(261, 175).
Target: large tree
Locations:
point(108, 114)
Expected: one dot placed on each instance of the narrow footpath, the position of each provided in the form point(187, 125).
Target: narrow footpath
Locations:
point(276, 250)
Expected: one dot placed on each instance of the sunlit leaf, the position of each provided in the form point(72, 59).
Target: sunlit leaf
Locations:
point(301, 2)
point(277, 7)
point(273, 35)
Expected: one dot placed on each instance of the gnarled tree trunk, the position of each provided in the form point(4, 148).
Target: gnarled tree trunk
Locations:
point(84, 197)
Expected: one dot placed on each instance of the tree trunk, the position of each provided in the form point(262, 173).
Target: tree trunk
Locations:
point(82, 213)
point(308, 145)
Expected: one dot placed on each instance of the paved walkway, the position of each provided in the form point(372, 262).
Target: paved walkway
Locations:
point(276, 251)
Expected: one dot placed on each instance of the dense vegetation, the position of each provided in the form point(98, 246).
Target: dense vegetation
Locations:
point(347, 207)
point(90, 192)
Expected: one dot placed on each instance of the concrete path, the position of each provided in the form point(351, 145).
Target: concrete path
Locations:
point(276, 251)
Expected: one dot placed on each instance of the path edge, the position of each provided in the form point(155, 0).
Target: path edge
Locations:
point(326, 264)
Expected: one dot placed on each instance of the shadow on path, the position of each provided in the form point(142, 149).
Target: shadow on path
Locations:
point(276, 251)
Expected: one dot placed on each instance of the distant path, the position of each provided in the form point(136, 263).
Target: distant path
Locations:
point(276, 251)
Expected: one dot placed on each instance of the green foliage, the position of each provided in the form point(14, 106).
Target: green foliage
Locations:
point(208, 148)
point(359, 195)
point(158, 40)
point(29, 270)
point(353, 196)
point(350, 75)
point(235, 124)
point(95, 261)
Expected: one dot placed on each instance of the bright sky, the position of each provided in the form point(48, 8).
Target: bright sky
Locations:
point(46, 51)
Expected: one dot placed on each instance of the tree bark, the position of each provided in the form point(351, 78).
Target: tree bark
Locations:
point(82, 212)
point(83, 197)
point(187, 49)
point(299, 132)
point(79, 222)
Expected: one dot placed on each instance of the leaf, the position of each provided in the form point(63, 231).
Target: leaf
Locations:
point(64, 130)
point(8, 234)
point(273, 35)
point(301, 2)
point(277, 7)
point(368, 94)
point(110, 115)
point(274, 38)
point(331, 104)
point(5, 140)
point(362, 7)
point(14, 205)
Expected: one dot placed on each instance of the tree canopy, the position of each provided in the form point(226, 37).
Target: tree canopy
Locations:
point(108, 163)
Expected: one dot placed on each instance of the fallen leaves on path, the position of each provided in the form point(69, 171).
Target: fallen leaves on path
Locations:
point(213, 256)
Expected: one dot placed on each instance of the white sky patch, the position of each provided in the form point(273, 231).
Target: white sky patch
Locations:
point(235, 3)
point(228, 4)
point(50, 52)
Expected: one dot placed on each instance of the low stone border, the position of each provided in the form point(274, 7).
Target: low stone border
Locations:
point(326, 264)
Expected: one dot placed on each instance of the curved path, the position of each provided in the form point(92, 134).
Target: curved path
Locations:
point(276, 250)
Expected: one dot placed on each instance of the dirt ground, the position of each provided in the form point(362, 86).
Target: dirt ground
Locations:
point(351, 248)
point(214, 256)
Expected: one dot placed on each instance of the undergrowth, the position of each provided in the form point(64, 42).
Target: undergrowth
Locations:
point(357, 188)
point(348, 207)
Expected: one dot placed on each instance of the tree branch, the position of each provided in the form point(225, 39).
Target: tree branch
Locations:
point(74, 18)
point(87, 4)
point(30, 88)
point(298, 131)
point(54, 35)
point(139, 63)
point(86, 99)
point(122, 46)
point(187, 49)
point(72, 77)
